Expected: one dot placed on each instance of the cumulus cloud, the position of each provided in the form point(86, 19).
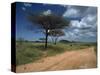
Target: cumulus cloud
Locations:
point(79, 11)
point(23, 8)
point(48, 12)
point(75, 11)
point(27, 4)
point(71, 13)
point(86, 27)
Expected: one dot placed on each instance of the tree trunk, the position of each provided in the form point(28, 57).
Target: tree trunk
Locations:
point(56, 40)
point(52, 39)
point(46, 38)
point(55, 43)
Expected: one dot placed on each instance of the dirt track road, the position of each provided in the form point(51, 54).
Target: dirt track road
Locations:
point(77, 59)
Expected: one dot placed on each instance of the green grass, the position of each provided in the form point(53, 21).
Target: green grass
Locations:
point(95, 49)
point(27, 52)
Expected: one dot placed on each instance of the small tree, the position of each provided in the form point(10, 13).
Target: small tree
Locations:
point(48, 22)
point(55, 34)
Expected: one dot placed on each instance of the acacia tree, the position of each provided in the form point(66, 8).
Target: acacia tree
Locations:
point(55, 34)
point(48, 22)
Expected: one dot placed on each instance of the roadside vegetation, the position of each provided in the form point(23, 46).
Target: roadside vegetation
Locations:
point(27, 52)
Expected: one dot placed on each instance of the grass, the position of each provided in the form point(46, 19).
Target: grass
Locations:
point(95, 49)
point(27, 52)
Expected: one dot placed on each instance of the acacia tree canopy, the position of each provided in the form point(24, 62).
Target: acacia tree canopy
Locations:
point(55, 34)
point(48, 22)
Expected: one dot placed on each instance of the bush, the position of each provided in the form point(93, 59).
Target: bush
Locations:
point(27, 55)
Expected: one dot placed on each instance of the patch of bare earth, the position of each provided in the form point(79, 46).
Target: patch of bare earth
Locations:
point(77, 59)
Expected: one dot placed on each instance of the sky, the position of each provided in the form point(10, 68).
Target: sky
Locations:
point(83, 21)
